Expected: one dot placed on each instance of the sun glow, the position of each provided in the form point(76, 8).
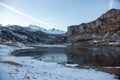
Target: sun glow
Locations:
point(15, 19)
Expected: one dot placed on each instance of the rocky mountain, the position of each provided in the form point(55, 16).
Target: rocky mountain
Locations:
point(104, 30)
point(15, 33)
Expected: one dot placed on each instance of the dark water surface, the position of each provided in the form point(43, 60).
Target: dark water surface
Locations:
point(83, 55)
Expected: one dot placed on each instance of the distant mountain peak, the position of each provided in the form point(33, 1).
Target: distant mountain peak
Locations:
point(48, 31)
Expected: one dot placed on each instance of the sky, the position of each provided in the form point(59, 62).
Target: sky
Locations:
point(57, 14)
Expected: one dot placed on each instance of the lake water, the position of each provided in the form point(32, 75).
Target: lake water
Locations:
point(83, 55)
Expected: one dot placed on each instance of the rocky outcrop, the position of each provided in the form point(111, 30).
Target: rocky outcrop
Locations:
point(105, 29)
point(15, 33)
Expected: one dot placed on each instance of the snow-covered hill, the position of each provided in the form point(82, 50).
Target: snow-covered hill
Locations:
point(30, 34)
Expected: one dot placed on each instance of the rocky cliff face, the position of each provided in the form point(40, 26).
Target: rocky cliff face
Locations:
point(15, 33)
point(104, 29)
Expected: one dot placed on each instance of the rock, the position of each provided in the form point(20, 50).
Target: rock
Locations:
point(105, 28)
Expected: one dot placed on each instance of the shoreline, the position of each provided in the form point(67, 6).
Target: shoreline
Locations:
point(28, 62)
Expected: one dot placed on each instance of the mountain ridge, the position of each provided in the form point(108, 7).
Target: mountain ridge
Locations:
point(15, 33)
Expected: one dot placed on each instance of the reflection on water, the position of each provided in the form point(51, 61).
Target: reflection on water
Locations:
point(94, 55)
point(54, 57)
point(84, 55)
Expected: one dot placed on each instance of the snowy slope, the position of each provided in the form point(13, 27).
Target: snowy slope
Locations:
point(5, 50)
point(37, 70)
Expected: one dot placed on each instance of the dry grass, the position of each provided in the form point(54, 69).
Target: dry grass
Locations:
point(9, 44)
point(115, 71)
point(12, 63)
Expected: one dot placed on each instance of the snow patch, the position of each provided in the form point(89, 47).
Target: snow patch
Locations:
point(71, 65)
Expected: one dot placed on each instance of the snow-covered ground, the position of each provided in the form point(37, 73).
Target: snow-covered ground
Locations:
point(6, 50)
point(32, 69)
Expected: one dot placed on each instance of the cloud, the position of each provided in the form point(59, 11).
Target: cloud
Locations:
point(25, 15)
point(111, 4)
